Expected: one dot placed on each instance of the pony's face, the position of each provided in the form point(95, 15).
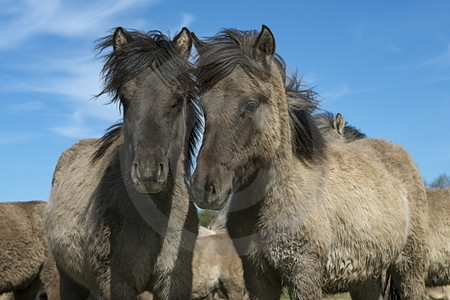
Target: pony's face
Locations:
point(243, 129)
point(153, 121)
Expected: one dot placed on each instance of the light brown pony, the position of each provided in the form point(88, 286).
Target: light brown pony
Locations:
point(335, 129)
point(216, 267)
point(26, 268)
point(119, 221)
point(303, 214)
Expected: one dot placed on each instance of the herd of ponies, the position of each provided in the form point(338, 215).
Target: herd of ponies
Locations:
point(308, 204)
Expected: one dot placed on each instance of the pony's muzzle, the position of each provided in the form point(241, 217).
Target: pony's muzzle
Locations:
point(207, 197)
point(149, 178)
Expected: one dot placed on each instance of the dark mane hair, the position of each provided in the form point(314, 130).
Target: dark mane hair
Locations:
point(156, 51)
point(302, 101)
point(351, 133)
point(220, 54)
point(152, 50)
point(325, 121)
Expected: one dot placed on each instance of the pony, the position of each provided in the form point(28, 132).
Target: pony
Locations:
point(26, 268)
point(303, 213)
point(119, 221)
point(438, 276)
point(217, 268)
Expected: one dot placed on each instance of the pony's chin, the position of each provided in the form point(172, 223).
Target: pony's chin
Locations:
point(216, 205)
point(154, 189)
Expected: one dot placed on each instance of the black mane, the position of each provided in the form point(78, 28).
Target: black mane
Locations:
point(152, 50)
point(308, 141)
point(219, 55)
point(155, 51)
point(351, 133)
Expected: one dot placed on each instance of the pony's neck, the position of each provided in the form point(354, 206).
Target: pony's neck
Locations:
point(265, 179)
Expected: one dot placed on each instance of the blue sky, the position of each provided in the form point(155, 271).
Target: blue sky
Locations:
point(384, 64)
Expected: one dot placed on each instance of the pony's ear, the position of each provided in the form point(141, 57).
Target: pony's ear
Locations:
point(120, 37)
point(265, 41)
point(199, 44)
point(183, 42)
point(339, 124)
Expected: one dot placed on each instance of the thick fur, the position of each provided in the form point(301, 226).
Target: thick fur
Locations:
point(216, 266)
point(439, 226)
point(26, 268)
point(113, 244)
point(439, 208)
point(298, 218)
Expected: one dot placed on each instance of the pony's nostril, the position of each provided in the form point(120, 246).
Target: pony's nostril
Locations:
point(160, 175)
point(135, 175)
point(160, 170)
point(212, 189)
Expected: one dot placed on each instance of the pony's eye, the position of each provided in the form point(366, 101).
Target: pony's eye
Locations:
point(251, 107)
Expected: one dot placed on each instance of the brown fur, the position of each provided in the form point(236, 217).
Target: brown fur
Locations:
point(91, 214)
point(439, 209)
point(439, 226)
point(310, 223)
point(216, 266)
point(25, 265)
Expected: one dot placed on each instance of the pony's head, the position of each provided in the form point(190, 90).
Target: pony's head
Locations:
point(148, 74)
point(336, 129)
point(252, 116)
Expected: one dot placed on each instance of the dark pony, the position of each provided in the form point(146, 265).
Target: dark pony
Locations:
point(119, 221)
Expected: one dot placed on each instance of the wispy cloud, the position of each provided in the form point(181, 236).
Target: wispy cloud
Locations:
point(7, 138)
point(441, 60)
point(70, 74)
point(27, 18)
point(438, 61)
point(344, 90)
point(26, 107)
point(76, 127)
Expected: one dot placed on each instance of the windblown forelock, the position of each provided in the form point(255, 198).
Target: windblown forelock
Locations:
point(156, 52)
point(151, 50)
point(227, 50)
